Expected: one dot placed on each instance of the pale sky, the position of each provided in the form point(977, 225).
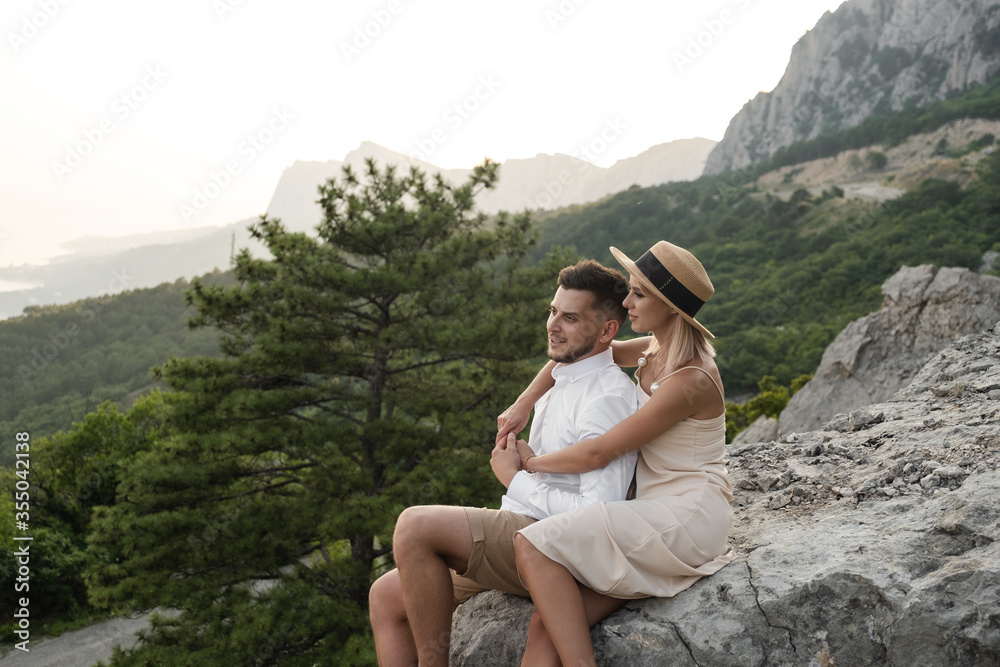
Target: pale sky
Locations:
point(122, 117)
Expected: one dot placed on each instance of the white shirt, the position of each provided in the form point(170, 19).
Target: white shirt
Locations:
point(589, 397)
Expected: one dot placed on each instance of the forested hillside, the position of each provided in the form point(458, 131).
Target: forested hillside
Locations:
point(789, 274)
point(57, 363)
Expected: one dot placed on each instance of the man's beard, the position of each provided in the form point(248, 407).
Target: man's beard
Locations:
point(569, 356)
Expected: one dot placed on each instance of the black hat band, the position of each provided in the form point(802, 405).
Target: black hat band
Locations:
point(668, 285)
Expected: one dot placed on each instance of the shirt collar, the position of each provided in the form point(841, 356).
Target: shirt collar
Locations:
point(578, 369)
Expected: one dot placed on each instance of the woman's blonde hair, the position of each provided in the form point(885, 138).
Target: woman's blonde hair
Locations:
point(685, 342)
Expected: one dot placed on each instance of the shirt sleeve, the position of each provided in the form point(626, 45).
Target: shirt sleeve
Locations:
point(602, 485)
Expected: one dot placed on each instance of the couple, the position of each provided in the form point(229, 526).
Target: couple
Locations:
point(559, 537)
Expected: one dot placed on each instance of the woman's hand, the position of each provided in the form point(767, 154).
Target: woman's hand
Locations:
point(524, 452)
point(505, 460)
point(512, 421)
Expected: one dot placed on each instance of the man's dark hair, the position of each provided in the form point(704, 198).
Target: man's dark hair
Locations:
point(609, 287)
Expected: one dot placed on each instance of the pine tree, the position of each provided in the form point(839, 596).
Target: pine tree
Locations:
point(363, 370)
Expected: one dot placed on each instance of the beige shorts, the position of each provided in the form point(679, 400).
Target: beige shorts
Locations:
point(492, 566)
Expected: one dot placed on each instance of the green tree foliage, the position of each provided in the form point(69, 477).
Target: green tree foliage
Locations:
point(70, 474)
point(363, 370)
point(770, 401)
point(56, 589)
point(78, 470)
point(981, 143)
point(891, 61)
point(877, 160)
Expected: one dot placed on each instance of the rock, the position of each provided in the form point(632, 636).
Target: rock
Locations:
point(925, 309)
point(840, 422)
point(867, 57)
point(763, 429)
point(862, 419)
point(950, 472)
point(840, 560)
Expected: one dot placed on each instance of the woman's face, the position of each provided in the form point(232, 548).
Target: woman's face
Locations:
point(646, 312)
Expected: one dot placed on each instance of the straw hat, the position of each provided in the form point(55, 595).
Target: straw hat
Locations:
point(675, 275)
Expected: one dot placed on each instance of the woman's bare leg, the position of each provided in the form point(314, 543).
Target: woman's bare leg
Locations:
point(560, 603)
point(540, 651)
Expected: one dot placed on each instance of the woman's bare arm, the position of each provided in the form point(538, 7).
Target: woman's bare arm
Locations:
point(515, 418)
point(671, 403)
point(627, 352)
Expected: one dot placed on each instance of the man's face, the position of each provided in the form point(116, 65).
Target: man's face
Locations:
point(573, 326)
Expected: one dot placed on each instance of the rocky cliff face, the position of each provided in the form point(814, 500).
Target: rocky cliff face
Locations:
point(868, 57)
point(874, 540)
point(924, 309)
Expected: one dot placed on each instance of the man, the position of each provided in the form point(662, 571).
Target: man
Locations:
point(411, 607)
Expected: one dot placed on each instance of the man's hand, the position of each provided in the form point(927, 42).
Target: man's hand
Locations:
point(505, 460)
point(512, 420)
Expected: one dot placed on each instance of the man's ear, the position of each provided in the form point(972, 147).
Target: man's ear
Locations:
point(609, 331)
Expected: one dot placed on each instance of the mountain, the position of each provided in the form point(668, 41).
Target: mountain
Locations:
point(868, 58)
point(102, 265)
point(294, 198)
point(542, 182)
point(122, 264)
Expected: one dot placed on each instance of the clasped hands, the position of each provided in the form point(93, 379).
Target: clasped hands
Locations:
point(508, 458)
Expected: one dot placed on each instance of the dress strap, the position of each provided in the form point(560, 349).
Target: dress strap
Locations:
point(703, 371)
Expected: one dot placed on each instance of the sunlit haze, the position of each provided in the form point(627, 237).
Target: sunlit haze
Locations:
point(118, 114)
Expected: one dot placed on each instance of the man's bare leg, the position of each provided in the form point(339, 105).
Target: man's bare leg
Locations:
point(428, 541)
point(394, 646)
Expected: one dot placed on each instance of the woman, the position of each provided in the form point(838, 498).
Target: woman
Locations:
point(676, 529)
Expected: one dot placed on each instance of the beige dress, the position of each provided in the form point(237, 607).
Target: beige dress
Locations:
point(675, 531)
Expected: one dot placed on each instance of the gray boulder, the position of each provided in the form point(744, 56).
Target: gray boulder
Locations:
point(872, 541)
point(924, 309)
point(763, 428)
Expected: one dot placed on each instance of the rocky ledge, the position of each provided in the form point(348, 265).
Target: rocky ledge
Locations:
point(873, 541)
point(925, 309)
